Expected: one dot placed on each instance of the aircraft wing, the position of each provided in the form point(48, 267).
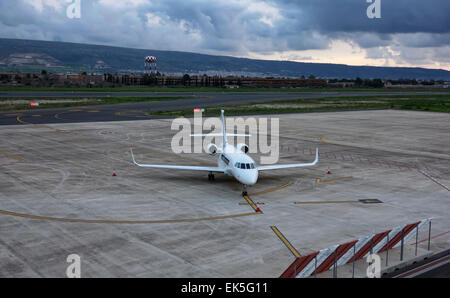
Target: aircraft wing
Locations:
point(287, 166)
point(170, 167)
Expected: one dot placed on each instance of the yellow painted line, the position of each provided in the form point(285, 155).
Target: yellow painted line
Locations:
point(286, 242)
point(93, 111)
point(64, 131)
point(322, 141)
point(36, 116)
point(94, 221)
point(333, 180)
point(371, 201)
point(12, 156)
point(21, 121)
point(13, 115)
point(133, 113)
point(19, 160)
point(252, 204)
point(326, 202)
point(272, 190)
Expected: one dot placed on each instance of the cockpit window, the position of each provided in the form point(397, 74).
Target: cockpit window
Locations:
point(245, 166)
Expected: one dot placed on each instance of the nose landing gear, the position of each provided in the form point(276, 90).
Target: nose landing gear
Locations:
point(244, 190)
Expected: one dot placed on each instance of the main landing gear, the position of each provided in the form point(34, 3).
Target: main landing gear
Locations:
point(211, 177)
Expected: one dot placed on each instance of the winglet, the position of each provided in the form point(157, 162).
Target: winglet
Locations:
point(317, 157)
point(132, 156)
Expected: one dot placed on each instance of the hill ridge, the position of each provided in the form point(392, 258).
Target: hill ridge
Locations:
point(100, 58)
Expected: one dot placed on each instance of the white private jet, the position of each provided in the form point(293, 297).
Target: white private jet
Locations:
point(232, 161)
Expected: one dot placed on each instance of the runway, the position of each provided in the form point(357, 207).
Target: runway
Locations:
point(139, 111)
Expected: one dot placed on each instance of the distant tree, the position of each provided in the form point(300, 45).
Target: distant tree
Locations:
point(44, 72)
point(358, 81)
point(376, 83)
point(312, 77)
point(428, 83)
point(186, 80)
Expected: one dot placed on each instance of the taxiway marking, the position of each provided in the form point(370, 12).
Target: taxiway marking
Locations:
point(286, 242)
point(271, 190)
point(133, 113)
point(327, 202)
point(19, 160)
point(434, 180)
point(435, 236)
point(94, 221)
point(333, 180)
point(253, 205)
point(322, 141)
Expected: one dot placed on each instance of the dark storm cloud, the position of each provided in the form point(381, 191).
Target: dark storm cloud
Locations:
point(399, 16)
point(232, 26)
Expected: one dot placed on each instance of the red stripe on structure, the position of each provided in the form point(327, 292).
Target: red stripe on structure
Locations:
point(397, 238)
point(370, 244)
point(298, 265)
point(340, 251)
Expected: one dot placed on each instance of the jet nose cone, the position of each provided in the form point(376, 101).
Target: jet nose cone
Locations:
point(252, 178)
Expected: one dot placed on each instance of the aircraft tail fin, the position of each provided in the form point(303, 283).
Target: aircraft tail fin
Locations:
point(224, 131)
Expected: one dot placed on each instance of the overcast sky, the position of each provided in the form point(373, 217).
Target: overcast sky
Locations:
point(409, 33)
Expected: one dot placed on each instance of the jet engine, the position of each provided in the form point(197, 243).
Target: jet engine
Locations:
point(243, 147)
point(212, 149)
